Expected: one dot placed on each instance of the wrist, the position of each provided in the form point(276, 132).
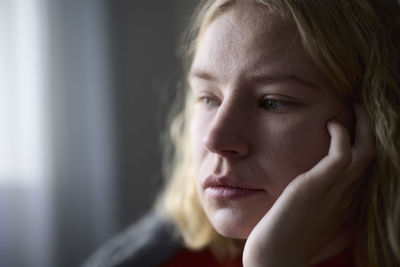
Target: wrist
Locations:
point(274, 258)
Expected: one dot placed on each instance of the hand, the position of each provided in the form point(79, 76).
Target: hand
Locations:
point(315, 205)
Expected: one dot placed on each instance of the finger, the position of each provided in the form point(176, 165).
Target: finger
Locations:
point(338, 159)
point(363, 150)
point(364, 146)
point(340, 147)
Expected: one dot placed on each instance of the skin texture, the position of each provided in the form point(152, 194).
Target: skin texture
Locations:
point(263, 117)
point(315, 205)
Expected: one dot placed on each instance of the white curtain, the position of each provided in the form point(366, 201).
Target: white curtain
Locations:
point(25, 230)
point(56, 138)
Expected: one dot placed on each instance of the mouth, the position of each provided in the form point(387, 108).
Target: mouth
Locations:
point(223, 187)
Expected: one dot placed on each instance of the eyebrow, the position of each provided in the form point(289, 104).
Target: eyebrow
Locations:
point(257, 79)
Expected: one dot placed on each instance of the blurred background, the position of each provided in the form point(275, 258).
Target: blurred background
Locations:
point(84, 89)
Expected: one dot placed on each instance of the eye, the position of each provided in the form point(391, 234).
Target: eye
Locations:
point(270, 104)
point(273, 104)
point(209, 101)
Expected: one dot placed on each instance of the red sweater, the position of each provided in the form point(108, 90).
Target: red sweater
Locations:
point(206, 258)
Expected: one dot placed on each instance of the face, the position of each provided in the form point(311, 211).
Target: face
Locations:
point(259, 120)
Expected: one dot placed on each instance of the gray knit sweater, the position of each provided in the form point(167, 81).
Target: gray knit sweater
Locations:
point(150, 242)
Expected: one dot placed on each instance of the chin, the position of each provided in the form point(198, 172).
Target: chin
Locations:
point(232, 223)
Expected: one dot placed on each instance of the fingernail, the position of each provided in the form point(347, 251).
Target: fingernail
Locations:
point(333, 120)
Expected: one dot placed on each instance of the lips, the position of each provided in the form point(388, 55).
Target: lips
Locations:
point(224, 187)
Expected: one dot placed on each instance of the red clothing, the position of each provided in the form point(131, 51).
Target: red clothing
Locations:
point(206, 258)
point(344, 259)
point(200, 259)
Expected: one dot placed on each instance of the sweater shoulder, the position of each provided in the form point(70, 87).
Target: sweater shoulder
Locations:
point(151, 241)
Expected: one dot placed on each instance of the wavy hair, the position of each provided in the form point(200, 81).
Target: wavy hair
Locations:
point(356, 44)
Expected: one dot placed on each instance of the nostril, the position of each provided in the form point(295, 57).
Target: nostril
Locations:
point(226, 139)
point(229, 153)
point(226, 143)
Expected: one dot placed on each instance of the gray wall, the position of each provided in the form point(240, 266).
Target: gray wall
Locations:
point(108, 71)
point(142, 68)
point(145, 37)
point(145, 67)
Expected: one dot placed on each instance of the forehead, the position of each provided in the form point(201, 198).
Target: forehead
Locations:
point(254, 22)
point(248, 40)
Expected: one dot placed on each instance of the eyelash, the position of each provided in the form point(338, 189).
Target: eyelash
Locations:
point(270, 104)
point(265, 103)
point(209, 101)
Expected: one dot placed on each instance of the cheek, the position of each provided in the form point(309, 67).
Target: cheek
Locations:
point(309, 144)
point(198, 129)
point(293, 147)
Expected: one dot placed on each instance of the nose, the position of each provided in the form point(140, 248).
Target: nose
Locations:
point(227, 134)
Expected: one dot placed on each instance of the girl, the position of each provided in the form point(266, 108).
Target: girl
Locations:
point(287, 150)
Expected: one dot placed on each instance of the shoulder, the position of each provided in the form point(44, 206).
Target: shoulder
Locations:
point(149, 242)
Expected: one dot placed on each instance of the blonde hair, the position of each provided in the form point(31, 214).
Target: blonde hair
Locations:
point(356, 43)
